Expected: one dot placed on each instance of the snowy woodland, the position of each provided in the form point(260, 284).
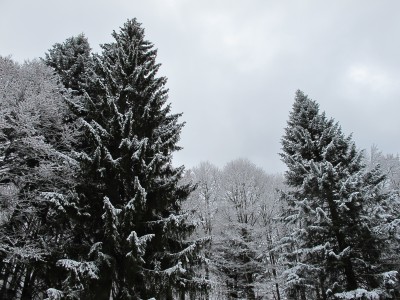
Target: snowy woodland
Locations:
point(92, 207)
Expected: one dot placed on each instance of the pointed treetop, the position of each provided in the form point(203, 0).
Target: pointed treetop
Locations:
point(71, 60)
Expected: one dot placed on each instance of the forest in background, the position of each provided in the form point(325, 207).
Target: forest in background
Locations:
point(93, 208)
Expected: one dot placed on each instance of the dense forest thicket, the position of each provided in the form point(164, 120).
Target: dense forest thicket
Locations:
point(92, 207)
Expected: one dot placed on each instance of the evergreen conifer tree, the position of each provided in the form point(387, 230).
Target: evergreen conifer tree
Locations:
point(131, 240)
point(332, 251)
point(71, 60)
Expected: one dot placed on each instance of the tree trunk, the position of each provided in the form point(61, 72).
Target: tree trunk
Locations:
point(28, 284)
point(250, 294)
point(303, 293)
point(182, 295)
point(207, 278)
point(348, 266)
point(322, 285)
point(7, 271)
point(278, 295)
point(15, 282)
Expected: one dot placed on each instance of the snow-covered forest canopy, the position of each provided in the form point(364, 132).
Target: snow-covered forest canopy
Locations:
point(92, 206)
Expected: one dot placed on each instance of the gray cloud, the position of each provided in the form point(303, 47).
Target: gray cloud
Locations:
point(233, 66)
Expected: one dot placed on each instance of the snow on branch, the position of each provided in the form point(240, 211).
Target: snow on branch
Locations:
point(390, 278)
point(174, 220)
point(54, 294)
point(114, 162)
point(322, 216)
point(177, 269)
point(110, 219)
point(360, 294)
point(56, 199)
point(139, 245)
point(82, 269)
point(345, 253)
point(95, 130)
point(189, 250)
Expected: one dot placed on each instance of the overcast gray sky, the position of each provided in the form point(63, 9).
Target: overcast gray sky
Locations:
point(233, 66)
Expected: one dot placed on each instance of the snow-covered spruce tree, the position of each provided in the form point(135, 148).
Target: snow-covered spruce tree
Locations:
point(71, 60)
point(130, 238)
point(36, 174)
point(333, 251)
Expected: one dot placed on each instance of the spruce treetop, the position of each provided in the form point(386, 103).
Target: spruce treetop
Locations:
point(71, 61)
